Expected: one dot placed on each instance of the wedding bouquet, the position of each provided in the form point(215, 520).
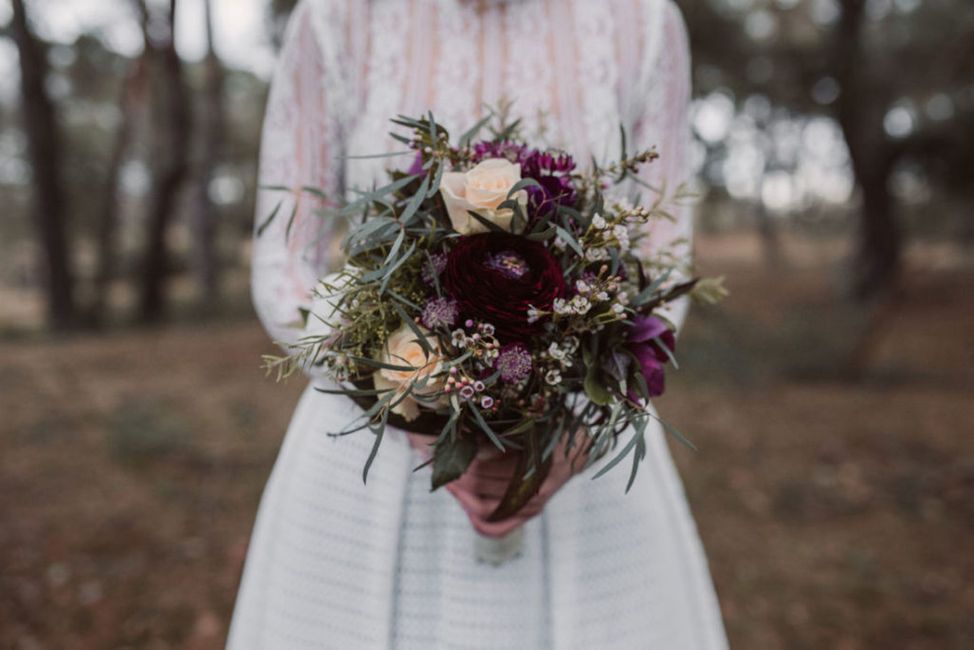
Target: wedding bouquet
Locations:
point(493, 295)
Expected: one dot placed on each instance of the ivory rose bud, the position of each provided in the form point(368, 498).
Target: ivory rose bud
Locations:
point(402, 349)
point(481, 190)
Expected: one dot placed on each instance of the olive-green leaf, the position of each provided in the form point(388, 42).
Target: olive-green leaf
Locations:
point(451, 459)
point(594, 388)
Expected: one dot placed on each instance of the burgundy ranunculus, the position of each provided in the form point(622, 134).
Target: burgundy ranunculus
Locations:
point(652, 358)
point(495, 277)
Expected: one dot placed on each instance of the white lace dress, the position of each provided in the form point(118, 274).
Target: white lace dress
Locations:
point(334, 563)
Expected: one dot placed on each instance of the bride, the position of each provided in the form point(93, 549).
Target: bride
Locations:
point(334, 563)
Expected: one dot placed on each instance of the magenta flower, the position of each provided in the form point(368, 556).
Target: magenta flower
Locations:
point(511, 151)
point(416, 168)
point(646, 337)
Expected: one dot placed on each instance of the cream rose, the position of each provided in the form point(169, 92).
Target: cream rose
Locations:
point(481, 190)
point(402, 349)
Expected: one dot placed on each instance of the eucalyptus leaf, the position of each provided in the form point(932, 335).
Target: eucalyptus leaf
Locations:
point(290, 222)
point(669, 353)
point(415, 201)
point(270, 219)
point(508, 132)
point(434, 134)
point(642, 389)
point(522, 184)
point(569, 239)
point(400, 138)
point(379, 365)
point(482, 423)
point(437, 178)
point(544, 235)
point(524, 425)
point(630, 446)
point(527, 480)
point(379, 433)
point(638, 454)
point(392, 270)
point(449, 429)
point(673, 431)
point(451, 458)
point(405, 301)
point(594, 388)
point(353, 392)
point(314, 191)
point(411, 324)
point(470, 134)
point(396, 246)
point(646, 294)
point(490, 225)
point(384, 190)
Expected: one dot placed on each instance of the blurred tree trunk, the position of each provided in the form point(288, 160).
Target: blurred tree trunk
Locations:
point(171, 117)
point(132, 90)
point(876, 262)
point(205, 215)
point(878, 250)
point(44, 149)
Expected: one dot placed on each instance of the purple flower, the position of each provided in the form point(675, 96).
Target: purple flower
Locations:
point(507, 263)
point(417, 167)
point(440, 312)
point(537, 163)
point(514, 363)
point(511, 151)
point(433, 268)
point(553, 171)
point(645, 339)
point(554, 191)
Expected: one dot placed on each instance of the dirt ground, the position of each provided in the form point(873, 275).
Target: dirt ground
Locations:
point(836, 513)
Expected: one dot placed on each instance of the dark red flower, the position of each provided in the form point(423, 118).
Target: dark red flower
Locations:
point(495, 277)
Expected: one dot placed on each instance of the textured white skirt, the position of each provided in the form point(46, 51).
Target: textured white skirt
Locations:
point(334, 563)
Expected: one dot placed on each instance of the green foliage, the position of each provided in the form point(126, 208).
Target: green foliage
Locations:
point(452, 457)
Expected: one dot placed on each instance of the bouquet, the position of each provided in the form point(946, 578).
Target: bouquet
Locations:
point(492, 295)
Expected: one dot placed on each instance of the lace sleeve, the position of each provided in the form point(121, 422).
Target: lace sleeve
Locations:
point(300, 149)
point(664, 122)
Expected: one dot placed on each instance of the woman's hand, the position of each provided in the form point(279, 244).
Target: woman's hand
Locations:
point(482, 486)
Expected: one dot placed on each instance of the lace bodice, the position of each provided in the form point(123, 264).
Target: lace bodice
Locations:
point(574, 69)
